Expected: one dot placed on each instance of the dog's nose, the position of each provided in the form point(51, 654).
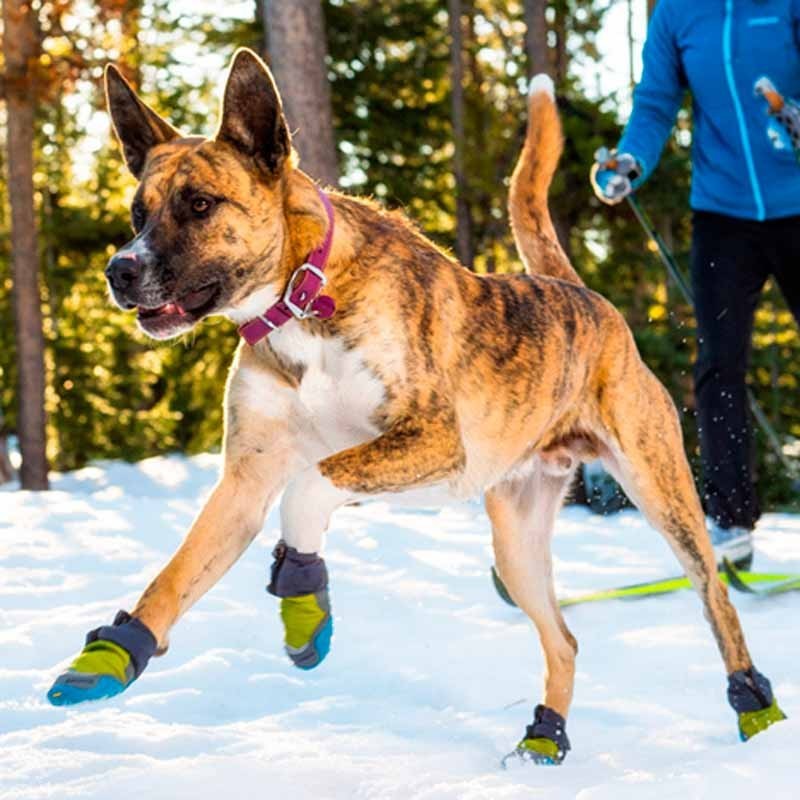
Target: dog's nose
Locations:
point(122, 271)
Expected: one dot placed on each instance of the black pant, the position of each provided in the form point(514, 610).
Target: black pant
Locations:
point(731, 261)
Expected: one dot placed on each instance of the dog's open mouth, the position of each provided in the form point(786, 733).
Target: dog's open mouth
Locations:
point(164, 320)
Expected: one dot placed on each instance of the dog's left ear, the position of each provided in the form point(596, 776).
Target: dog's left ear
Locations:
point(252, 114)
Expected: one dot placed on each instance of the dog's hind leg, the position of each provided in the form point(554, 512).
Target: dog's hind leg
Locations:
point(523, 513)
point(644, 451)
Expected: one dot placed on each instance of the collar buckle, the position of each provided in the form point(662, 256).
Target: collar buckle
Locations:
point(304, 286)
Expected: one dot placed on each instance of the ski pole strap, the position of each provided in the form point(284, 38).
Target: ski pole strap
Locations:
point(294, 574)
point(663, 251)
point(549, 724)
point(132, 635)
point(749, 690)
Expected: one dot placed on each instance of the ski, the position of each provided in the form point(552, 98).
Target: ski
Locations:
point(742, 581)
point(738, 580)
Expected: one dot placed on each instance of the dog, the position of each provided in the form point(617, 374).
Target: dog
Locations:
point(373, 362)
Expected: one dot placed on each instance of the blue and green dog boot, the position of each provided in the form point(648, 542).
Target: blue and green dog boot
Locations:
point(113, 658)
point(750, 695)
point(300, 580)
point(545, 742)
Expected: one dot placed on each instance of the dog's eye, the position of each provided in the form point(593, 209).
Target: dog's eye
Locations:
point(201, 205)
point(138, 216)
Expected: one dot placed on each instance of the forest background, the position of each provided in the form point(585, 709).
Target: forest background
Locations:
point(419, 103)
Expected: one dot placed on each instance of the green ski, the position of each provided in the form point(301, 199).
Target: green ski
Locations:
point(738, 580)
point(638, 591)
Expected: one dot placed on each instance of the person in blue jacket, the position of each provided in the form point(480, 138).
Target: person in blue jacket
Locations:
point(745, 200)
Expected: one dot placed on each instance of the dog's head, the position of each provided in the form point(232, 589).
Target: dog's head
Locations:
point(208, 213)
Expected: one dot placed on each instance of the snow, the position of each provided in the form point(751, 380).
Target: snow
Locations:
point(430, 681)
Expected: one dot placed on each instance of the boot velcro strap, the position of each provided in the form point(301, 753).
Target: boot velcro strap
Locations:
point(132, 635)
point(294, 574)
point(749, 690)
point(549, 724)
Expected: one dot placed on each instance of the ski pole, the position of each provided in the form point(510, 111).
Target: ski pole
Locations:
point(675, 273)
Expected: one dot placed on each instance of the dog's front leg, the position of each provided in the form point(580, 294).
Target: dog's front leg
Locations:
point(115, 655)
point(415, 452)
point(225, 527)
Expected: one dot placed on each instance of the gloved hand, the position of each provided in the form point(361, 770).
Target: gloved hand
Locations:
point(614, 175)
point(783, 128)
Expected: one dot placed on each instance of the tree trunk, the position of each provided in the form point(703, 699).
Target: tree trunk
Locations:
point(21, 49)
point(536, 37)
point(261, 19)
point(463, 217)
point(631, 47)
point(298, 49)
point(6, 470)
point(559, 55)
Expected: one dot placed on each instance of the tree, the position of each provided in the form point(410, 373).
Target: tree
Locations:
point(463, 219)
point(536, 37)
point(298, 54)
point(21, 47)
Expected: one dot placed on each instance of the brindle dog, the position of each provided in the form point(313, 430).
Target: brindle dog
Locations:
point(427, 374)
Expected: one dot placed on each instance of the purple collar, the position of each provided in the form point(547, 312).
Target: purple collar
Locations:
point(302, 297)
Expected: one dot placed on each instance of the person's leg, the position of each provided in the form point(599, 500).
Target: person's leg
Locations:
point(786, 240)
point(729, 268)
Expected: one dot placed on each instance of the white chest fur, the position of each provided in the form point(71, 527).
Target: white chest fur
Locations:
point(336, 399)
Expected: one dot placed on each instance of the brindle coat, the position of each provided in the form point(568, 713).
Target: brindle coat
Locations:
point(427, 374)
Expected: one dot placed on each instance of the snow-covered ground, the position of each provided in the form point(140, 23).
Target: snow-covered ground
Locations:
point(430, 681)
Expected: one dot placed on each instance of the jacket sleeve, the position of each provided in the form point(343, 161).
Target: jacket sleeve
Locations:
point(796, 23)
point(658, 95)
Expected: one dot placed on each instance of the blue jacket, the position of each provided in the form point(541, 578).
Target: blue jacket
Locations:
point(718, 49)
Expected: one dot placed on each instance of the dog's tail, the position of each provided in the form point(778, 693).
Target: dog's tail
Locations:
point(533, 229)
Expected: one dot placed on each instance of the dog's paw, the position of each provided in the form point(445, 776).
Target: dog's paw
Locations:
point(113, 658)
point(103, 669)
point(308, 626)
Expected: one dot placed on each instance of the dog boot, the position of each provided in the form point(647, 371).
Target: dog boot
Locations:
point(113, 658)
point(300, 580)
point(750, 695)
point(545, 741)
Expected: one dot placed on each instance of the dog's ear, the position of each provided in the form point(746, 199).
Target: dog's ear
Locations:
point(252, 114)
point(137, 126)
